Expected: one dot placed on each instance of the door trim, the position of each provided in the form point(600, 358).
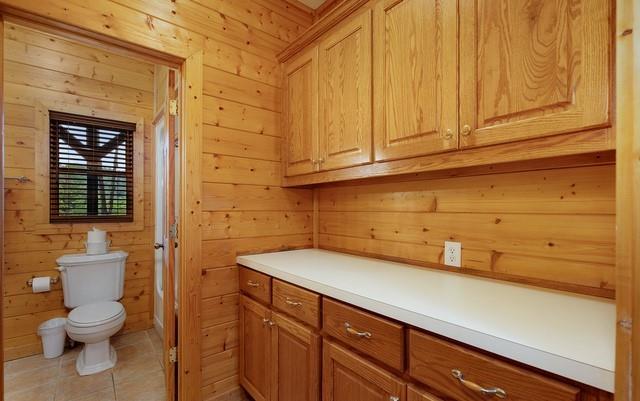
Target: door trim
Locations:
point(190, 139)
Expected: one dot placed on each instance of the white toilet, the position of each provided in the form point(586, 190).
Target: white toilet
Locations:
point(92, 285)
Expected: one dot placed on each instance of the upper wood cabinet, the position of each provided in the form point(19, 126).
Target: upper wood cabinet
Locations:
point(345, 94)
point(301, 112)
point(348, 377)
point(533, 68)
point(296, 361)
point(415, 77)
point(255, 348)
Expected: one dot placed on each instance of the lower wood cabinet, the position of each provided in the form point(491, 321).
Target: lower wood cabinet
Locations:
point(255, 348)
point(464, 374)
point(349, 377)
point(415, 394)
point(280, 359)
point(296, 362)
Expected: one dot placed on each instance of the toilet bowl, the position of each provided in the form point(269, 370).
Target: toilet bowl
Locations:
point(92, 285)
point(93, 324)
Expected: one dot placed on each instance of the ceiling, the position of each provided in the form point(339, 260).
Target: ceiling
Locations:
point(312, 3)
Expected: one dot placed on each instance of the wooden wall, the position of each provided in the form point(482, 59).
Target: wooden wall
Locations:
point(65, 76)
point(244, 208)
point(553, 228)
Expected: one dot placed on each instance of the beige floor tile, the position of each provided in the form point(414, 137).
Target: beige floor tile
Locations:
point(31, 378)
point(156, 340)
point(136, 366)
point(149, 387)
point(45, 392)
point(136, 350)
point(108, 394)
point(129, 338)
point(29, 363)
point(72, 353)
point(72, 387)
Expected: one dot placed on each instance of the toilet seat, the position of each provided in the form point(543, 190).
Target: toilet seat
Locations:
point(95, 314)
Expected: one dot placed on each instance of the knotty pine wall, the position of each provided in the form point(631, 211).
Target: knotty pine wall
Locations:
point(77, 79)
point(552, 228)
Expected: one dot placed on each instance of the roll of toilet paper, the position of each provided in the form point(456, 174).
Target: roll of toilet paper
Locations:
point(96, 235)
point(41, 284)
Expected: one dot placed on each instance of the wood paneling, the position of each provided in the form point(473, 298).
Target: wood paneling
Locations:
point(533, 69)
point(415, 71)
point(63, 75)
point(554, 228)
point(244, 209)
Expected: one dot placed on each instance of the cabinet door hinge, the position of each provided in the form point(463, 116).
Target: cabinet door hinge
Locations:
point(173, 107)
point(173, 355)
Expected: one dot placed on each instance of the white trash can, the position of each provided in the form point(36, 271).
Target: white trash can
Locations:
point(53, 335)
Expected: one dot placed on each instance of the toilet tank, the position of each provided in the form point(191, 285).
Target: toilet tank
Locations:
point(92, 278)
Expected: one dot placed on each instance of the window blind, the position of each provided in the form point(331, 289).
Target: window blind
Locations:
point(91, 169)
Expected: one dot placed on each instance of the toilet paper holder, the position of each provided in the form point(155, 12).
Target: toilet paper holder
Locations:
point(52, 280)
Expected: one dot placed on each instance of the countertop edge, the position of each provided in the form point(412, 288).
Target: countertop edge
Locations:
point(584, 373)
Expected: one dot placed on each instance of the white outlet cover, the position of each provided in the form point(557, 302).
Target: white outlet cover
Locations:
point(452, 253)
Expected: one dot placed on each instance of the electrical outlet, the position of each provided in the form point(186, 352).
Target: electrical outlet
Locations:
point(452, 253)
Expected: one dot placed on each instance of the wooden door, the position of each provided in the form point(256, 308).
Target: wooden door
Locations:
point(533, 68)
point(301, 113)
point(1, 198)
point(345, 94)
point(415, 394)
point(348, 377)
point(169, 256)
point(295, 362)
point(255, 348)
point(415, 78)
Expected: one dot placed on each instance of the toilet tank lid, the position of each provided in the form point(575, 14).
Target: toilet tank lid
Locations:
point(83, 258)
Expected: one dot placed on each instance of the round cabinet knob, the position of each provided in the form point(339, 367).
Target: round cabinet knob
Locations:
point(466, 130)
point(448, 134)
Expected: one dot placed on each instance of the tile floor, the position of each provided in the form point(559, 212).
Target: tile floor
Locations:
point(137, 376)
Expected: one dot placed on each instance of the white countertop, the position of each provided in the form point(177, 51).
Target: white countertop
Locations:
point(570, 335)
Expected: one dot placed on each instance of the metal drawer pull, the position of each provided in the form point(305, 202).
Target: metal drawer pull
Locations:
point(265, 321)
point(497, 391)
point(291, 302)
point(392, 398)
point(354, 332)
point(253, 284)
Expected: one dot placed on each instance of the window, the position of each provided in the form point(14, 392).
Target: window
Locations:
point(91, 169)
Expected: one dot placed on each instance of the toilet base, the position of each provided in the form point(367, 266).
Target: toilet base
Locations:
point(95, 358)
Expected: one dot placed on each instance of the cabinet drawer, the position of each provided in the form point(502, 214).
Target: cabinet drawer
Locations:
point(379, 338)
point(302, 304)
point(462, 373)
point(255, 284)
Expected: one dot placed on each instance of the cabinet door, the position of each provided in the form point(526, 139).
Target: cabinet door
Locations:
point(345, 94)
point(533, 68)
point(414, 394)
point(255, 348)
point(296, 361)
point(348, 377)
point(301, 113)
point(415, 77)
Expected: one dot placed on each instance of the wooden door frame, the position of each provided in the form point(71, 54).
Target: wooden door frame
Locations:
point(190, 140)
point(627, 128)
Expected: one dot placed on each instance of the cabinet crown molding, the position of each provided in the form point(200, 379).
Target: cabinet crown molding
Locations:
point(324, 24)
